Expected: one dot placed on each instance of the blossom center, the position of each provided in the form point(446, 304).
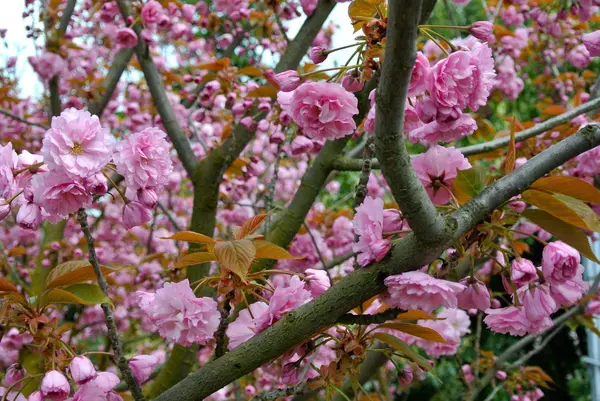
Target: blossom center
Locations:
point(77, 149)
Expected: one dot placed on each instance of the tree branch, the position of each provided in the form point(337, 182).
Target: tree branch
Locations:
point(108, 86)
point(161, 101)
point(113, 332)
point(22, 120)
point(298, 389)
point(66, 17)
point(400, 53)
point(220, 336)
point(533, 131)
point(359, 286)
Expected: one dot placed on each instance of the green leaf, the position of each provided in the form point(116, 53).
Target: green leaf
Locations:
point(468, 184)
point(402, 347)
point(561, 230)
point(73, 272)
point(80, 294)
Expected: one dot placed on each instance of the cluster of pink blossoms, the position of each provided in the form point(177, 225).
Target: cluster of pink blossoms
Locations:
point(536, 298)
point(69, 171)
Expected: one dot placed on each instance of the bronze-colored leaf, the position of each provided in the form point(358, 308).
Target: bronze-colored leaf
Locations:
point(190, 236)
point(415, 330)
point(194, 259)
point(73, 272)
point(236, 256)
point(250, 226)
point(268, 250)
point(570, 186)
point(7, 286)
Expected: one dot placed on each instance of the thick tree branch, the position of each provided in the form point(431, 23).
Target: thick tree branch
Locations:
point(108, 86)
point(22, 120)
point(113, 332)
point(408, 254)
point(537, 129)
point(400, 53)
point(66, 17)
point(161, 101)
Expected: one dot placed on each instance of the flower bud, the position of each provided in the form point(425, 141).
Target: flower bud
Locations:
point(318, 54)
point(501, 375)
point(147, 197)
point(591, 41)
point(82, 370)
point(475, 295)
point(288, 80)
point(55, 386)
point(482, 30)
point(4, 209)
point(301, 145)
point(142, 366)
point(14, 373)
point(392, 220)
point(36, 396)
point(135, 214)
point(352, 81)
point(29, 216)
point(318, 281)
point(405, 376)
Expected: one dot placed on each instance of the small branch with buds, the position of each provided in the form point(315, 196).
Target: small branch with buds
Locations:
point(220, 336)
point(113, 332)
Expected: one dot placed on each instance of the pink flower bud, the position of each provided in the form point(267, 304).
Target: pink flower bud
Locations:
point(135, 214)
point(318, 281)
point(352, 81)
point(405, 376)
point(14, 373)
point(55, 386)
point(318, 54)
point(475, 295)
point(82, 369)
point(249, 123)
point(147, 197)
point(112, 396)
point(4, 209)
point(591, 41)
point(29, 216)
point(501, 375)
point(380, 248)
point(392, 220)
point(142, 366)
point(288, 80)
point(301, 145)
point(482, 30)
point(523, 272)
point(97, 184)
point(537, 302)
point(277, 138)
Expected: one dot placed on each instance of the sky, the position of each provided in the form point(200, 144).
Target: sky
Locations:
point(18, 44)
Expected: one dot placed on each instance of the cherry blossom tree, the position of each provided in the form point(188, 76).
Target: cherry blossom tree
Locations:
point(198, 208)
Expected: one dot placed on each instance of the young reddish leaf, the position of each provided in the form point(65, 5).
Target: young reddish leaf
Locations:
point(190, 236)
point(194, 259)
point(362, 11)
point(17, 251)
point(263, 91)
point(251, 71)
point(565, 208)
point(520, 247)
point(570, 186)
point(509, 162)
point(417, 315)
point(401, 346)
point(80, 294)
point(7, 286)
point(468, 183)
point(415, 330)
point(268, 250)
point(250, 226)
point(216, 65)
point(236, 256)
point(561, 230)
point(73, 272)
point(553, 110)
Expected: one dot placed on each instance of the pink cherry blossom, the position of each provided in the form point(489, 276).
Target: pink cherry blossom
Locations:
point(135, 214)
point(244, 327)
point(151, 12)
point(142, 366)
point(569, 292)
point(58, 194)
point(143, 159)
point(454, 324)
point(55, 386)
point(482, 30)
point(420, 76)
point(179, 315)
point(447, 131)
point(368, 225)
point(126, 38)
point(417, 290)
point(323, 110)
point(29, 216)
point(82, 370)
point(560, 262)
point(475, 295)
point(77, 144)
point(437, 168)
point(537, 302)
point(522, 272)
point(591, 41)
point(47, 65)
point(318, 281)
point(512, 320)
point(14, 373)
point(284, 299)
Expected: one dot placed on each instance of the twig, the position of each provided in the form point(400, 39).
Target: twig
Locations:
point(493, 393)
point(338, 260)
point(221, 338)
point(537, 348)
point(314, 241)
point(117, 66)
point(377, 318)
point(271, 190)
point(298, 389)
point(66, 17)
point(15, 117)
point(113, 332)
point(361, 187)
point(169, 216)
point(478, 330)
